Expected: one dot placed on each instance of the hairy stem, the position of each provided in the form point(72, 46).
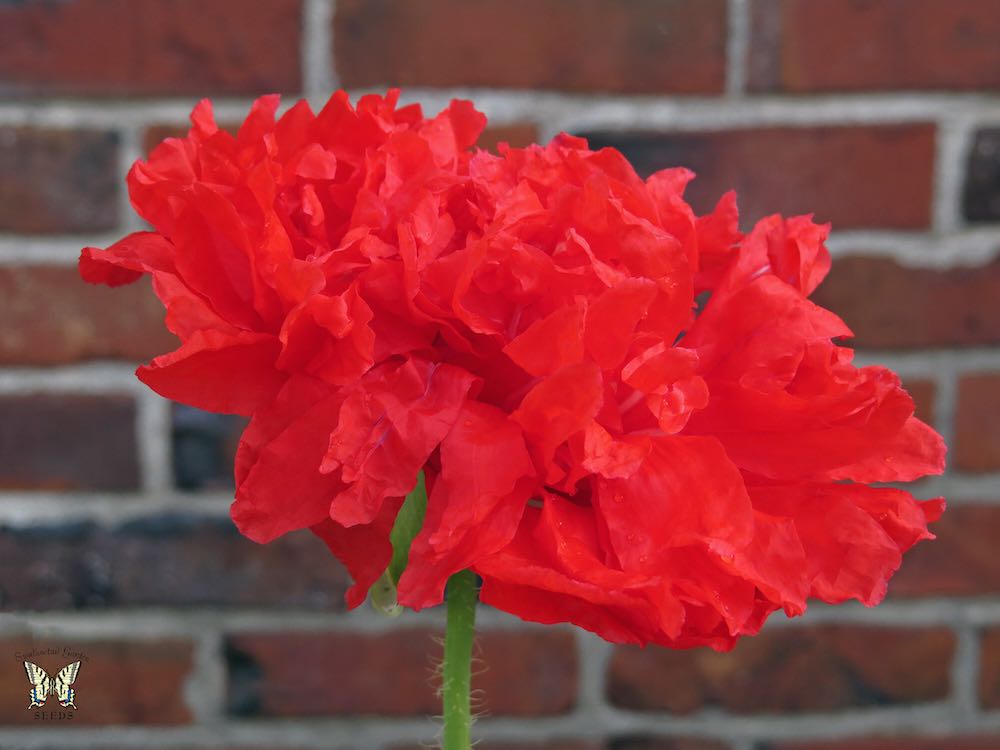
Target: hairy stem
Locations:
point(457, 671)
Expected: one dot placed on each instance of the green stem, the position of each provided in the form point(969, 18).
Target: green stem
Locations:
point(457, 670)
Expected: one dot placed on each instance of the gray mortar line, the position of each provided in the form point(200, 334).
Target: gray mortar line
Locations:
point(965, 673)
point(153, 441)
point(26, 509)
point(318, 77)
point(205, 686)
point(62, 250)
point(953, 142)
point(95, 377)
point(565, 109)
point(964, 248)
point(930, 362)
point(158, 622)
point(376, 732)
point(737, 46)
point(593, 655)
point(946, 404)
point(154, 622)
point(129, 151)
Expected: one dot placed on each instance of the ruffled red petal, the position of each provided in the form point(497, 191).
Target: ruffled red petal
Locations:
point(126, 260)
point(471, 512)
point(853, 536)
point(278, 484)
point(365, 550)
point(388, 426)
point(231, 373)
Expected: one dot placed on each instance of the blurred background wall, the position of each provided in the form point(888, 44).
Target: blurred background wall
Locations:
point(881, 116)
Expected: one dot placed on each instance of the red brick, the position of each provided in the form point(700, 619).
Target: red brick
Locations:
point(989, 670)
point(57, 181)
point(894, 743)
point(977, 424)
point(981, 192)
point(318, 674)
point(119, 682)
point(80, 320)
point(164, 561)
point(517, 135)
point(789, 670)
point(642, 46)
point(149, 47)
point(922, 392)
point(853, 176)
point(68, 442)
point(890, 306)
point(962, 561)
point(850, 45)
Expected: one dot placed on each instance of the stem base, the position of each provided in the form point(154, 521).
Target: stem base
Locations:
point(456, 677)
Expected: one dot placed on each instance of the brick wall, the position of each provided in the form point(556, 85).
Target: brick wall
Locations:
point(880, 116)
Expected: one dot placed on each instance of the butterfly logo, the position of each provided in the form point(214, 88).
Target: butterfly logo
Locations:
point(42, 686)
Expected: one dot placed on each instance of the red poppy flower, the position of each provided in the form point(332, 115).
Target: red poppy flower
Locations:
point(382, 299)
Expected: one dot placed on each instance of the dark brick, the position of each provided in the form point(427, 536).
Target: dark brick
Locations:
point(168, 561)
point(119, 682)
point(149, 47)
point(803, 46)
point(317, 674)
point(68, 442)
point(642, 46)
point(890, 306)
point(962, 561)
point(852, 176)
point(78, 323)
point(788, 671)
point(204, 447)
point(981, 192)
point(57, 181)
point(977, 423)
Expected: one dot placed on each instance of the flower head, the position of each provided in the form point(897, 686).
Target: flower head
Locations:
point(629, 417)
